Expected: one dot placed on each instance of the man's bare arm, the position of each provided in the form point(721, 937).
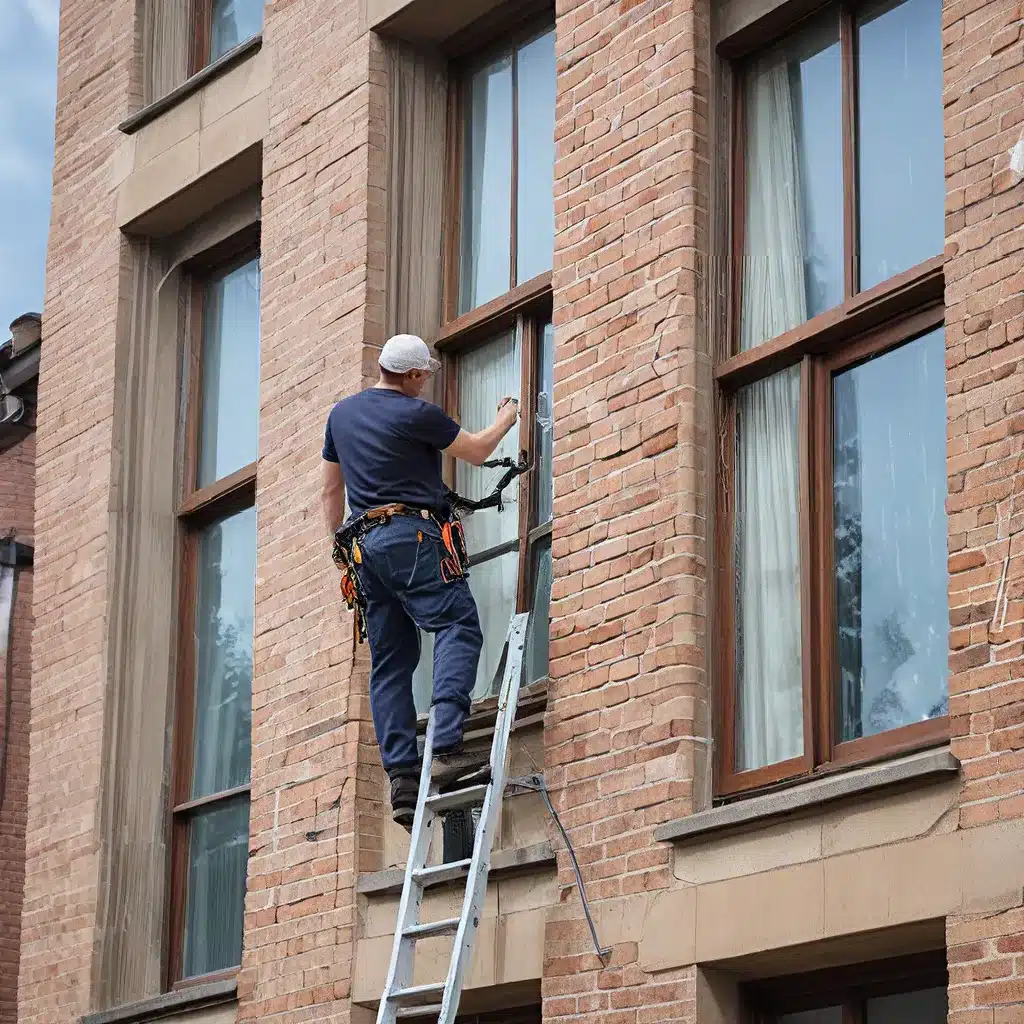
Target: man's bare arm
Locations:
point(477, 448)
point(332, 495)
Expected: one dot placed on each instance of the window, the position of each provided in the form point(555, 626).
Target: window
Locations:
point(504, 216)
point(832, 540)
point(210, 787)
point(221, 25)
point(498, 338)
point(909, 990)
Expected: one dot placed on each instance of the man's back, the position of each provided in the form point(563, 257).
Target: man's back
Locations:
point(389, 446)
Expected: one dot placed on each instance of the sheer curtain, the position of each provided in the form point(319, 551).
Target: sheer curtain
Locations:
point(768, 670)
point(486, 375)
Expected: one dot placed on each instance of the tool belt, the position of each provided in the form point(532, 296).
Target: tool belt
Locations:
point(348, 555)
point(454, 562)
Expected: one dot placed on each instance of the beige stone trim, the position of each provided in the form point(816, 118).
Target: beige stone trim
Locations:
point(179, 152)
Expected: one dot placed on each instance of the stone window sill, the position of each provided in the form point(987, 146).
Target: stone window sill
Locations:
point(192, 85)
point(927, 766)
point(192, 997)
point(503, 864)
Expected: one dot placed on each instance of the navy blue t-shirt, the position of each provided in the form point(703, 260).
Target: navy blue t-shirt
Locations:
point(389, 446)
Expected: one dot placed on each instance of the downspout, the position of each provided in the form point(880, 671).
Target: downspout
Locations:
point(13, 556)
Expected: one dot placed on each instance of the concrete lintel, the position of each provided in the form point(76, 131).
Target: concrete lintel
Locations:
point(168, 1004)
point(930, 765)
point(504, 862)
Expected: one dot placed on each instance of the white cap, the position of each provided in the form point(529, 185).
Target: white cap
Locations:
point(405, 352)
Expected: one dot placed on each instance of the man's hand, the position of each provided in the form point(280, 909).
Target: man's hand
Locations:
point(508, 413)
point(477, 448)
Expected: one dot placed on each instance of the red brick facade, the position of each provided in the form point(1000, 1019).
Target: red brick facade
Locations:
point(638, 282)
point(17, 479)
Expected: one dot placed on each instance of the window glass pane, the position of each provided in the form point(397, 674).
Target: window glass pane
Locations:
point(218, 851)
point(224, 642)
point(535, 183)
point(769, 705)
point(545, 426)
point(540, 610)
point(423, 677)
point(234, 21)
point(793, 238)
point(487, 186)
point(229, 425)
point(929, 1006)
point(901, 156)
point(829, 1015)
point(494, 586)
point(486, 375)
point(889, 495)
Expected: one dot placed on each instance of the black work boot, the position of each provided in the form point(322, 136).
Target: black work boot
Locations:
point(404, 791)
point(460, 766)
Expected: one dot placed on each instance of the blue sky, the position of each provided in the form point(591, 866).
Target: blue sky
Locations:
point(28, 92)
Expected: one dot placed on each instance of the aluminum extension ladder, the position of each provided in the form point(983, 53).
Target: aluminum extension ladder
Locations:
point(402, 1000)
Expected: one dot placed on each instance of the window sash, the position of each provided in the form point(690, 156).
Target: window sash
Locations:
point(847, 13)
point(821, 750)
point(198, 510)
point(455, 320)
point(849, 986)
point(201, 15)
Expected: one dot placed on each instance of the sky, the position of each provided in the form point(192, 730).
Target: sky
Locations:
point(28, 94)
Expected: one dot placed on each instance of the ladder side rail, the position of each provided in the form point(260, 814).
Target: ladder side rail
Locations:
point(476, 884)
point(400, 970)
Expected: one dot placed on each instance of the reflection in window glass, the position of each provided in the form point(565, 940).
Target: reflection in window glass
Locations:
point(229, 427)
point(901, 158)
point(535, 206)
point(487, 186)
point(224, 650)
point(494, 586)
point(793, 238)
point(233, 22)
point(929, 1006)
point(769, 684)
point(544, 467)
point(889, 494)
point(828, 1015)
point(540, 611)
point(218, 852)
point(486, 375)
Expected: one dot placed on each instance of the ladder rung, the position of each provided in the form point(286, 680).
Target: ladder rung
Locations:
point(436, 874)
point(418, 991)
point(427, 1010)
point(449, 926)
point(458, 798)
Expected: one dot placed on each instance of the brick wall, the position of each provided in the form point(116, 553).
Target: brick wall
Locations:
point(322, 259)
point(629, 687)
point(17, 471)
point(983, 45)
point(73, 448)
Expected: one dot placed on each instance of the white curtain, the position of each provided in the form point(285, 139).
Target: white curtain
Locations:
point(486, 375)
point(768, 643)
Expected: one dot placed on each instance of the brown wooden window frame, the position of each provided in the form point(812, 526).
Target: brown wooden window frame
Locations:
point(201, 22)
point(848, 986)
point(864, 324)
point(198, 509)
point(524, 308)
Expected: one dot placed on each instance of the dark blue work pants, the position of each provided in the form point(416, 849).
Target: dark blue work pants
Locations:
point(401, 580)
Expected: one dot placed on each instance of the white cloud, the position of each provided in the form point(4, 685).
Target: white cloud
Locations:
point(18, 168)
point(45, 14)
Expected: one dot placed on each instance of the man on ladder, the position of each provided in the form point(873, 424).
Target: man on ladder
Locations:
point(404, 560)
